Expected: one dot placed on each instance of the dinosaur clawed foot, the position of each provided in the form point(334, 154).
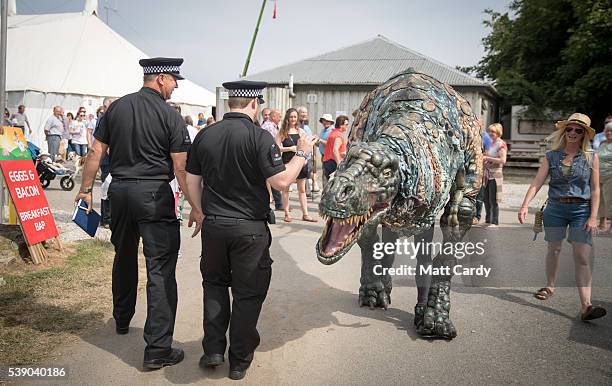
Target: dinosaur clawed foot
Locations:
point(374, 295)
point(436, 323)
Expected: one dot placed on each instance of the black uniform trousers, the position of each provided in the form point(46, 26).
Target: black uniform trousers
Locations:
point(235, 253)
point(490, 202)
point(145, 208)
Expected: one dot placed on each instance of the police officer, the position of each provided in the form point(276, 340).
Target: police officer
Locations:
point(233, 159)
point(147, 142)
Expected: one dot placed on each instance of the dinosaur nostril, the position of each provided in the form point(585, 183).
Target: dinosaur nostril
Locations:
point(346, 192)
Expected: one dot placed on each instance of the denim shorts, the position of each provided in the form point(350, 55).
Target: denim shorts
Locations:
point(558, 216)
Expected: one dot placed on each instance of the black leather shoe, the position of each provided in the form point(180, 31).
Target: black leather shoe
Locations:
point(122, 330)
point(175, 356)
point(212, 360)
point(237, 375)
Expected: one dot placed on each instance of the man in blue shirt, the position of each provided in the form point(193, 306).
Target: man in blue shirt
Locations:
point(303, 118)
point(54, 129)
point(328, 124)
point(486, 142)
point(201, 121)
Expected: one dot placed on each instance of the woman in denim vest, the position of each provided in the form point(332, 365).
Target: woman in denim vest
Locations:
point(573, 199)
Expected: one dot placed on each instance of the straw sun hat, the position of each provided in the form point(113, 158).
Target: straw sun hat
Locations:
point(581, 120)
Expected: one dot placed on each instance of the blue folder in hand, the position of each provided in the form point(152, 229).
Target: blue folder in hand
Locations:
point(88, 222)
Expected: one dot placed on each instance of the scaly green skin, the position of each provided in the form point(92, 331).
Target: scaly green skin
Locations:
point(415, 151)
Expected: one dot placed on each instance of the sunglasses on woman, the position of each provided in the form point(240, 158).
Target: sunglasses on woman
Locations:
point(578, 130)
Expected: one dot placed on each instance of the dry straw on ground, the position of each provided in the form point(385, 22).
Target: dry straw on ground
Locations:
point(42, 308)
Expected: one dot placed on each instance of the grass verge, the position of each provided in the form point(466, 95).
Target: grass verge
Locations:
point(42, 309)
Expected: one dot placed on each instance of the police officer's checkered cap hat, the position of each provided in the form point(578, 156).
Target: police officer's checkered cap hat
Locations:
point(170, 66)
point(160, 69)
point(245, 89)
point(244, 93)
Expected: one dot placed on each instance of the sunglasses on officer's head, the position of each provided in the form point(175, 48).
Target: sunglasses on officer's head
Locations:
point(578, 130)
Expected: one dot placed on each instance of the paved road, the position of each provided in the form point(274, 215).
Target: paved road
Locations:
point(313, 332)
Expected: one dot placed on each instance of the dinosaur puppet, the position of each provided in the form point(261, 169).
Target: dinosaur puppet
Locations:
point(415, 152)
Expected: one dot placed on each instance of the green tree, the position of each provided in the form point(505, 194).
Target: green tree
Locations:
point(553, 54)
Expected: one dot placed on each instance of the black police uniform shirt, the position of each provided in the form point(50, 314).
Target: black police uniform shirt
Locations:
point(234, 158)
point(141, 131)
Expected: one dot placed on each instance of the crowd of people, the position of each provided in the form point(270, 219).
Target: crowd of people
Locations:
point(69, 134)
point(331, 146)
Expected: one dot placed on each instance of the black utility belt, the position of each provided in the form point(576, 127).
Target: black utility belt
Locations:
point(212, 217)
point(119, 179)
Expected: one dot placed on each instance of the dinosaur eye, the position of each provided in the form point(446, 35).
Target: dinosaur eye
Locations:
point(386, 173)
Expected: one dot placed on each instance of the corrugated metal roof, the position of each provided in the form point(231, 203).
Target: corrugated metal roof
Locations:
point(368, 63)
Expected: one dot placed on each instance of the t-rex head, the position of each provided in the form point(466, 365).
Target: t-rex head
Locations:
point(362, 190)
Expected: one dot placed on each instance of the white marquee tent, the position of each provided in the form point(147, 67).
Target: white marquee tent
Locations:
point(75, 59)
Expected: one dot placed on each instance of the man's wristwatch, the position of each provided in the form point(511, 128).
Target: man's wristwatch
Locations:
point(302, 153)
point(86, 190)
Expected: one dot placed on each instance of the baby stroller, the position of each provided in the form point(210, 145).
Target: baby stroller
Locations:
point(47, 169)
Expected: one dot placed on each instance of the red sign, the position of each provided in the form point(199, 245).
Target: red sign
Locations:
point(30, 201)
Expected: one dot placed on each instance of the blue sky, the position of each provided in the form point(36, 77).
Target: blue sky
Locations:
point(214, 35)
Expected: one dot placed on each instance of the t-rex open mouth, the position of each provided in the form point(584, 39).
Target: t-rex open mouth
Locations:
point(339, 234)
